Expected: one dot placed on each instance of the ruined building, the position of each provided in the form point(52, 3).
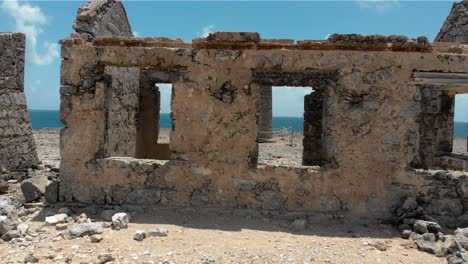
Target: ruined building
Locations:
point(17, 148)
point(378, 126)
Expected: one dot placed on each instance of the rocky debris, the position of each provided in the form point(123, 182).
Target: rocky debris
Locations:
point(22, 228)
point(30, 258)
point(378, 40)
point(34, 188)
point(379, 245)
point(105, 258)
point(95, 238)
point(7, 224)
point(82, 218)
point(64, 210)
point(298, 225)
point(7, 206)
point(405, 234)
point(120, 221)
point(457, 258)
point(80, 230)
point(139, 235)
point(157, 232)
point(56, 219)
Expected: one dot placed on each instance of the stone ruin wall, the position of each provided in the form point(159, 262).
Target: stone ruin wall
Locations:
point(17, 148)
point(370, 134)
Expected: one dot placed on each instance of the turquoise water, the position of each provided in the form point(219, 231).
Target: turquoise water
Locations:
point(48, 119)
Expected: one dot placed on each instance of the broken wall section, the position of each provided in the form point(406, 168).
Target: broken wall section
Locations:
point(102, 18)
point(17, 148)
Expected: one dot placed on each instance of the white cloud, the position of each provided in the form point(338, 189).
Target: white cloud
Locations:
point(378, 5)
point(30, 20)
point(461, 107)
point(206, 31)
point(136, 34)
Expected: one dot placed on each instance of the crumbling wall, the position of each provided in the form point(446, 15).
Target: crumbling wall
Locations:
point(17, 148)
point(102, 18)
point(455, 28)
point(370, 117)
point(265, 113)
point(313, 117)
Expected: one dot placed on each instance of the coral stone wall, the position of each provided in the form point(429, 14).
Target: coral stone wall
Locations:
point(370, 136)
point(17, 148)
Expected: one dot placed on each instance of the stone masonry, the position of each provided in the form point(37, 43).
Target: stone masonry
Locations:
point(265, 113)
point(17, 148)
point(455, 28)
point(377, 124)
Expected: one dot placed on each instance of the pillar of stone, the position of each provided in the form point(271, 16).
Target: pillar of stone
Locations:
point(17, 148)
point(313, 116)
point(455, 28)
point(265, 113)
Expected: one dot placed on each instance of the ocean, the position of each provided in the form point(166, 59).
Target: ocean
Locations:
point(51, 119)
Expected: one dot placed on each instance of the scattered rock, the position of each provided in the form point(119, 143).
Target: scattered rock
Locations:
point(423, 227)
point(6, 224)
point(30, 258)
point(34, 188)
point(104, 258)
point(51, 220)
point(139, 235)
point(298, 225)
point(157, 232)
point(22, 228)
point(4, 187)
point(79, 230)
point(95, 238)
point(426, 242)
point(450, 245)
point(61, 227)
point(457, 258)
point(7, 206)
point(405, 234)
point(120, 221)
point(380, 245)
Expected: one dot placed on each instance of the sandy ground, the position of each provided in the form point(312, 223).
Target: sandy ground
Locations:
point(216, 235)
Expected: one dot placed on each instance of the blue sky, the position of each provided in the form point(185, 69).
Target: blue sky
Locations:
point(46, 22)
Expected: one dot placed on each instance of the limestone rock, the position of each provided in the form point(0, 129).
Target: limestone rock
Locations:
point(7, 206)
point(157, 232)
point(139, 235)
point(34, 188)
point(30, 258)
point(6, 224)
point(80, 230)
point(22, 228)
point(95, 238)
point(457, 258)
point(450, 245)
point(120, 221)
point(55, 219)
point(405, 234)
point(461, 234)
point(427, 242)
point(104, 258)
point(11, 234)
point(423, 227)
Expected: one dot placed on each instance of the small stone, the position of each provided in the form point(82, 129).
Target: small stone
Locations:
point(30, 258)
point(51, 220)
point(120, 221)
point(79, 230)
point(104, 258)
point(405, 234)
point(157, 232)
point(139, 235)
point(95, 238)
point(298, 225)
point(61, 227)
point(22, 228)
point(461, 235)
point(10, 235)
point(380, 245)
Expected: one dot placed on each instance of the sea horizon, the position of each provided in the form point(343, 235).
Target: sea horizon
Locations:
point(42, 119)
